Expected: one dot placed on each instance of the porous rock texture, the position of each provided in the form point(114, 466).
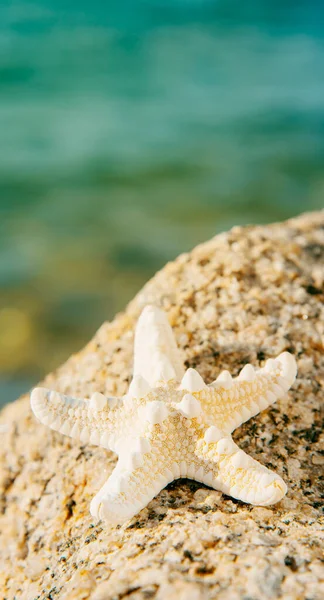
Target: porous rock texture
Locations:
point(244, 296)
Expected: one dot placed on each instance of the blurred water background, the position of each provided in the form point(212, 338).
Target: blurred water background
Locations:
point(132, 130)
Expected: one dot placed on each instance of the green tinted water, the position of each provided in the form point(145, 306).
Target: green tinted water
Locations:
point(130, 134)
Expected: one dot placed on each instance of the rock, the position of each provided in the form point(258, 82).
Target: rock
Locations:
point(245, 296)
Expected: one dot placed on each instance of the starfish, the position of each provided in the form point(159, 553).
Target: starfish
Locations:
point(170, 424)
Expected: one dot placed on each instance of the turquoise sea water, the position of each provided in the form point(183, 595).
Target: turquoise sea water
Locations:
point(131, 131)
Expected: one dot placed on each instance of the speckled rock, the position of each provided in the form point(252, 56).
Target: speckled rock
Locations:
point(242, 297)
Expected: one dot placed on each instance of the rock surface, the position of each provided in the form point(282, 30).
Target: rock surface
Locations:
point(245, 296)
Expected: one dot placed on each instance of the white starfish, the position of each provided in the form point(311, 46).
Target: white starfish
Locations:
point(163, 429)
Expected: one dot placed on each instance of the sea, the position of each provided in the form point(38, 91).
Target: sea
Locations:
point(132, 130)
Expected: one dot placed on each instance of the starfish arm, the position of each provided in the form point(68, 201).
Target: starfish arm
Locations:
point(229, 403)
point(138, 477)
point(228, 469)
point(156, 355)
point(88, 421)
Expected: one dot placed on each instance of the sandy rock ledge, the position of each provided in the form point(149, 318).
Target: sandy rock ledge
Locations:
point(244, 296)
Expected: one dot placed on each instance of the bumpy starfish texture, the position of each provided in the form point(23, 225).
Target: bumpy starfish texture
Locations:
point(171, 424)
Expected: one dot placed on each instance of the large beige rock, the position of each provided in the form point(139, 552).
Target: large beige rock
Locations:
point(242, 297)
